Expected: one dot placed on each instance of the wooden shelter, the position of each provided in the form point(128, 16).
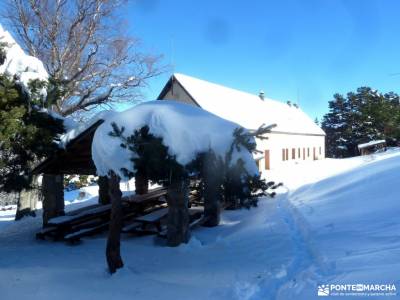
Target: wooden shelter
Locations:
point(75, 158)
point(219, 169)
point(371, 147)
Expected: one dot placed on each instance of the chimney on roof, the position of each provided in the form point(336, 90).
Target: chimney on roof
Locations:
point(261, 95)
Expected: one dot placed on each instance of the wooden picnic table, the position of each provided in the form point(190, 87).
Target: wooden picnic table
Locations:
point(141, 214)
point(86, 214)
point(58, 227)
point(195, 219)
point(144, 224)
point(140, 201)
point(96, 215)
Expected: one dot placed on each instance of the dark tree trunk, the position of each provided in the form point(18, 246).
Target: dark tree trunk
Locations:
point(178, 214)
point(104, 197)
point(53, 197)
point(27, 200)
point(141, 183)
point(212, 192)
point(113, 252)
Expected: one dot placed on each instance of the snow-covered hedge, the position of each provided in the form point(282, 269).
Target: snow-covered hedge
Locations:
point(186, 130)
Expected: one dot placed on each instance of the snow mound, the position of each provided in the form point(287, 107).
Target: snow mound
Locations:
point(18, 64)
point(186, 131)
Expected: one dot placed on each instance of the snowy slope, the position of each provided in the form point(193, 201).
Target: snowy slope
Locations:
point(342, 229)
point(351, 222)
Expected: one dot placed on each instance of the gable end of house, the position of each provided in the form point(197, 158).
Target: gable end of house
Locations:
point(175, 90)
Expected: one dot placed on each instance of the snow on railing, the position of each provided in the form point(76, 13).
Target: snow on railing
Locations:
point(371, 143)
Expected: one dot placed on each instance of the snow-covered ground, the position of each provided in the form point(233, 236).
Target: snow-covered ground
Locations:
point(335, 222)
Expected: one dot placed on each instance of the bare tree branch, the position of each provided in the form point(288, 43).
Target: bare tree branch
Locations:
point(82, 45)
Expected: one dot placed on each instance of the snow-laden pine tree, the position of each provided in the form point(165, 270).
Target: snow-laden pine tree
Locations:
point(360, 117)
point(27, 131)
point(336, 127)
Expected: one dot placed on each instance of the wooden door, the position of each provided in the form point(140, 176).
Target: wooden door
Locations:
point(267, 160)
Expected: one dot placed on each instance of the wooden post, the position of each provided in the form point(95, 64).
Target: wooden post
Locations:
point(104, 197)
point(141, 182)
point(53, 196)
point(212, 192)
point(113, 252)
point(267, 160)
point(178, 213)
point(27, 200)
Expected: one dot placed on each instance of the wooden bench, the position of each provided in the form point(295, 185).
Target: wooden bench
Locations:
point(132, 227)
point(154, 218)
point(195, 219)
point(47, 231)
point(75, 237)
point(140, 202)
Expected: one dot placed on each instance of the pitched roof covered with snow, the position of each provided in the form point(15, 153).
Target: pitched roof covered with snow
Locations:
point(247, 109)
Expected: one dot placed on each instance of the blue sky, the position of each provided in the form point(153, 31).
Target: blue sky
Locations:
point(301, 51)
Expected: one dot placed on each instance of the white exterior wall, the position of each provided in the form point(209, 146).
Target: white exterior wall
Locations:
point(278, 141)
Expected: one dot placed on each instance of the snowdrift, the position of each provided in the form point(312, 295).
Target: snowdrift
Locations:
point(350, 223)
point(343, 229)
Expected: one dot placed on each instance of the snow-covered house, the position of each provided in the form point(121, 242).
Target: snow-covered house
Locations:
point(295, 138)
